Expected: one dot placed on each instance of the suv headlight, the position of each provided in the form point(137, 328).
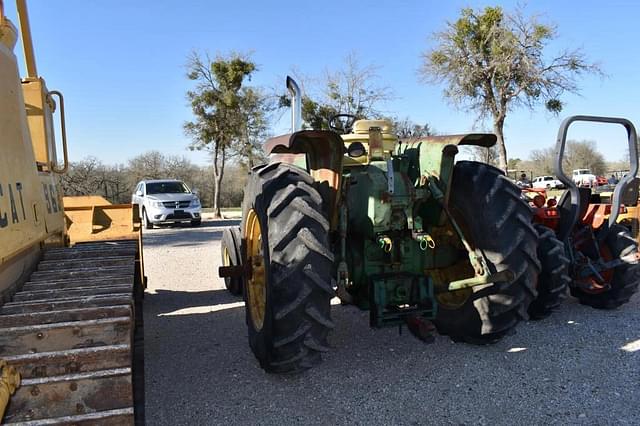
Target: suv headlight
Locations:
point(195, 202)
point(157, 204)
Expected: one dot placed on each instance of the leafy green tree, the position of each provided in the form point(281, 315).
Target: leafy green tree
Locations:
point(493, 62)
point(217, 103)
point(254, 127)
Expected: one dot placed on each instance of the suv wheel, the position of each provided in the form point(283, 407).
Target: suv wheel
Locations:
point(147, 223)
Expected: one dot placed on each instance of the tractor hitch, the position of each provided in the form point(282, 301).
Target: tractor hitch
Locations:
point(486, 278)
point(234, 271)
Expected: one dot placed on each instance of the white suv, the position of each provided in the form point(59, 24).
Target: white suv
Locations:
point(166, 201)
point(548, 182)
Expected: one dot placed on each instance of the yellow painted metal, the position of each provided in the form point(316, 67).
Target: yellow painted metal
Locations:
point(85, 200)
point(9, 382)
point(30, 200)
point(630, 218)
point(361, 133)
point(40, 108)
point(226, 258)
point(257, 284)
point(92, 218)
point(442, 277)
point(27, 43)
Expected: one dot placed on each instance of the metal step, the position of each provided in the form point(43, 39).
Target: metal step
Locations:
point(66, 303)
point(101, 246)
point(87, 254)
point(86, 282)
point(58, 363)
point(67, 315)
point(109, 271)
point(70, 292)
point(90, 392)
point(123, 416)
point(98, 262)
point(69, 332)
point(65, 335)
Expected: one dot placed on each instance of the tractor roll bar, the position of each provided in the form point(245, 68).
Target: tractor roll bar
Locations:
point(296, 105)
point(570, 184)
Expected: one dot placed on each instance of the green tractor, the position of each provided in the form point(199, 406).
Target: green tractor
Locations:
point(397, 228)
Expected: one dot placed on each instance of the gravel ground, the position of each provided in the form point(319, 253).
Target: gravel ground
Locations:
point(581, 366)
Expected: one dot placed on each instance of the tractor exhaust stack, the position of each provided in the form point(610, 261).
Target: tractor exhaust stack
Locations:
point(296, 104)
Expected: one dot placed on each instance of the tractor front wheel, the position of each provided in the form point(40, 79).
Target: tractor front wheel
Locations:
point(622, 281)
point(230, 248)
point(288, 292)
point(497, 223)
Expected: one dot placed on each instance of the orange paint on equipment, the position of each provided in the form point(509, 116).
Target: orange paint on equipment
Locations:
point(594, 286)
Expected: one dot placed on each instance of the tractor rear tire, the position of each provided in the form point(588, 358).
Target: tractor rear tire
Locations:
point(554, 280)
point(626, 277)
point(498, 223)
point(230, 251)
point(298, 269)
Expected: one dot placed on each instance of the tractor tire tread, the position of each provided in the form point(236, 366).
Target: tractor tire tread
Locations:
point(553, 280)
point(505, 236)
point(299, 269)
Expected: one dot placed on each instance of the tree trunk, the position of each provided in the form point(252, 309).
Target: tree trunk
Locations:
point(216, 182)
point(219, 157)
point(498, 129)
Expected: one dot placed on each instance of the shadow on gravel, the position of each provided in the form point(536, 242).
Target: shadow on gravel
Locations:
point(184, 235)
point(200, 370)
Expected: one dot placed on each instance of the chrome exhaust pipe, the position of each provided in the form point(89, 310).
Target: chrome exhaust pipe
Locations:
point(296, 104)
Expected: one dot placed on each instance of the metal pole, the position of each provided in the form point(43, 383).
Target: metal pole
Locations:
point(27, 43)
point(296, 104)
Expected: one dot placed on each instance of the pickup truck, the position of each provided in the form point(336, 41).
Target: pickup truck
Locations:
point(547, 182)
point(584, 177)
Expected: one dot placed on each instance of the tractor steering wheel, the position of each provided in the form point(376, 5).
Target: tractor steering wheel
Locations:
point(342, 123)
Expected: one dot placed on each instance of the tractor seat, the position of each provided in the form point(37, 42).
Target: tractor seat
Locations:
point(630, 195)
point(361, 127)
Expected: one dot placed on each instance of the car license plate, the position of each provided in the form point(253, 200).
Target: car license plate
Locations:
point(178, 211)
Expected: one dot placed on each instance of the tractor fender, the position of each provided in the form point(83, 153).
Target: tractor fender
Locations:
point(434, 156)
point(323, 152)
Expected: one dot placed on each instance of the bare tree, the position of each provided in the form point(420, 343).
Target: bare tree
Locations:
point(351, 89)
point(577, 155)
point(406, 128)
point(493, 63)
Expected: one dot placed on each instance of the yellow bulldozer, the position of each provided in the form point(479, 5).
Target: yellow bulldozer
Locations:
point(71, 269)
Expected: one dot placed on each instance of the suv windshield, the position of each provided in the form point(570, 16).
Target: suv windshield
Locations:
point(167, 188)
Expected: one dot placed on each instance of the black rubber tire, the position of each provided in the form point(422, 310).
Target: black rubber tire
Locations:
point(231, 242)
point(625, 277)
point(299, 268)
point(554, 280)
point(147, 223)
point(196, 222)
point(499, 223)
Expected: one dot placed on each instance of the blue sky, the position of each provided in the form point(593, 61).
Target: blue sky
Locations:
point(120, 64)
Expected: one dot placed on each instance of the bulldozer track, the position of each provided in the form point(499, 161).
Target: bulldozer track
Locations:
point(74, 333)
